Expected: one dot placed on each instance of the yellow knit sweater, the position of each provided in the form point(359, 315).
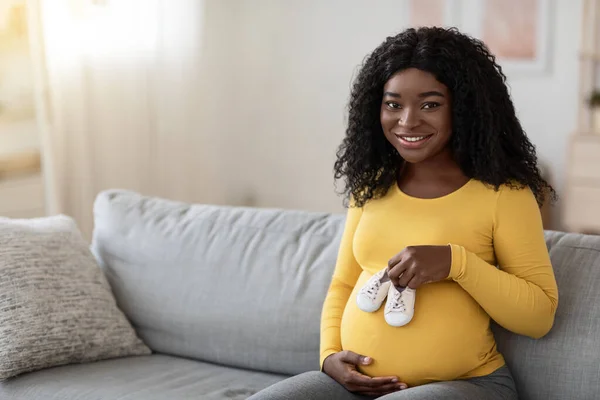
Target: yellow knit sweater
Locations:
point(449, 336)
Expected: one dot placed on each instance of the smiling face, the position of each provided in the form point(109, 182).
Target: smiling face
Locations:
point(416, 115)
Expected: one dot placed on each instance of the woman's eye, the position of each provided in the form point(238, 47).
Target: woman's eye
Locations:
point(392, 105)
point(428, 106)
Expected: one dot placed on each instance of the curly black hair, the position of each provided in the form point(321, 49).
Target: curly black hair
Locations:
point(487, 139)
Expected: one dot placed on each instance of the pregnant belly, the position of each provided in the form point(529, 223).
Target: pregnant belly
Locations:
point(448, 337)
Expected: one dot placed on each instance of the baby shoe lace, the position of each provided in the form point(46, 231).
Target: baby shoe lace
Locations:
point(397, 303)
point(372, 289)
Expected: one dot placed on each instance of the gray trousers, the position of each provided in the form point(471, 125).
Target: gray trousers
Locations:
point(315, 385)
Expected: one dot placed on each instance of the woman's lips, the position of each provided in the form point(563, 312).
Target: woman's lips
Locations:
point(413, 141)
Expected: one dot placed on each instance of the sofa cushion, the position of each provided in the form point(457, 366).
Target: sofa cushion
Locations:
point(234, 286)
point(56, 307)
point(565, 364)
point(156, 377)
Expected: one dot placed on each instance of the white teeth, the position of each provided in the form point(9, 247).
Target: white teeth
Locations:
point(413, 138)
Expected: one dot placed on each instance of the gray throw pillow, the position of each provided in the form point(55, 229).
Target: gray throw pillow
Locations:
point(56, 306)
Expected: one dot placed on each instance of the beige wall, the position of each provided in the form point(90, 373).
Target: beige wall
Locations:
point(242, 102)
point(280, 86)
point(280, 77)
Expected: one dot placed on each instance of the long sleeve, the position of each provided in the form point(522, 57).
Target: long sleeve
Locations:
point(345, 275)
point(521, 295)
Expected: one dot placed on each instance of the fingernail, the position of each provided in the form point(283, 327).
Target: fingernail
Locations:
point(366, 360)
point(403, 387)
point(394, 380)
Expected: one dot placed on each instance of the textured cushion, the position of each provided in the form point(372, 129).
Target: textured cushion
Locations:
point(565, 364)
point(156, 377)
point(55, 305)
point(234, 286)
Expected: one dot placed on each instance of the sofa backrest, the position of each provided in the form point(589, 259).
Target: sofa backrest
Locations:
point(234, 286)
point(244, 287)
point(565, 364)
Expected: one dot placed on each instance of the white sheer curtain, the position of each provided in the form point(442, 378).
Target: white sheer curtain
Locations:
point(121, 101)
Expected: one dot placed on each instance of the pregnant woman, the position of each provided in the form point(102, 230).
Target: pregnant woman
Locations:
point(443, 227)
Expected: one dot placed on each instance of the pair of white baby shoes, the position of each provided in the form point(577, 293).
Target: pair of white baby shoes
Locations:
point(400, 305)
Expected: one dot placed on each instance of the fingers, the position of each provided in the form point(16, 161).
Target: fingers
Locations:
point(406, 277)
point(416, 281)
point(355, 359)
point(355, 378)
point(397, 271)
point(373, 386)
point(396, 259)
point(363, 384)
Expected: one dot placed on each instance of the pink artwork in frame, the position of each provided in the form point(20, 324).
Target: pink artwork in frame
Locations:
point(516, 31)
point(510, 28)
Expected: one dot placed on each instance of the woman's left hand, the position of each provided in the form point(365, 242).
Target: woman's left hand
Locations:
point(417, 265)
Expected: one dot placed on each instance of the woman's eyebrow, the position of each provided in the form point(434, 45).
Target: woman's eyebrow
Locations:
point(424, 94)
point(431, 93)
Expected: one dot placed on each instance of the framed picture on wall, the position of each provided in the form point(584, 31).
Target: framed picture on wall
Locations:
point(516, 31)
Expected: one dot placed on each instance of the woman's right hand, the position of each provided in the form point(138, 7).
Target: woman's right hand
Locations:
point(342, 367)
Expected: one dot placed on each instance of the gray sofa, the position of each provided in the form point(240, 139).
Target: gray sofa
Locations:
point(229, 299)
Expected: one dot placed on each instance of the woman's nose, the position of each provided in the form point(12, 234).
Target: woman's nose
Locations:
point(408, 119)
